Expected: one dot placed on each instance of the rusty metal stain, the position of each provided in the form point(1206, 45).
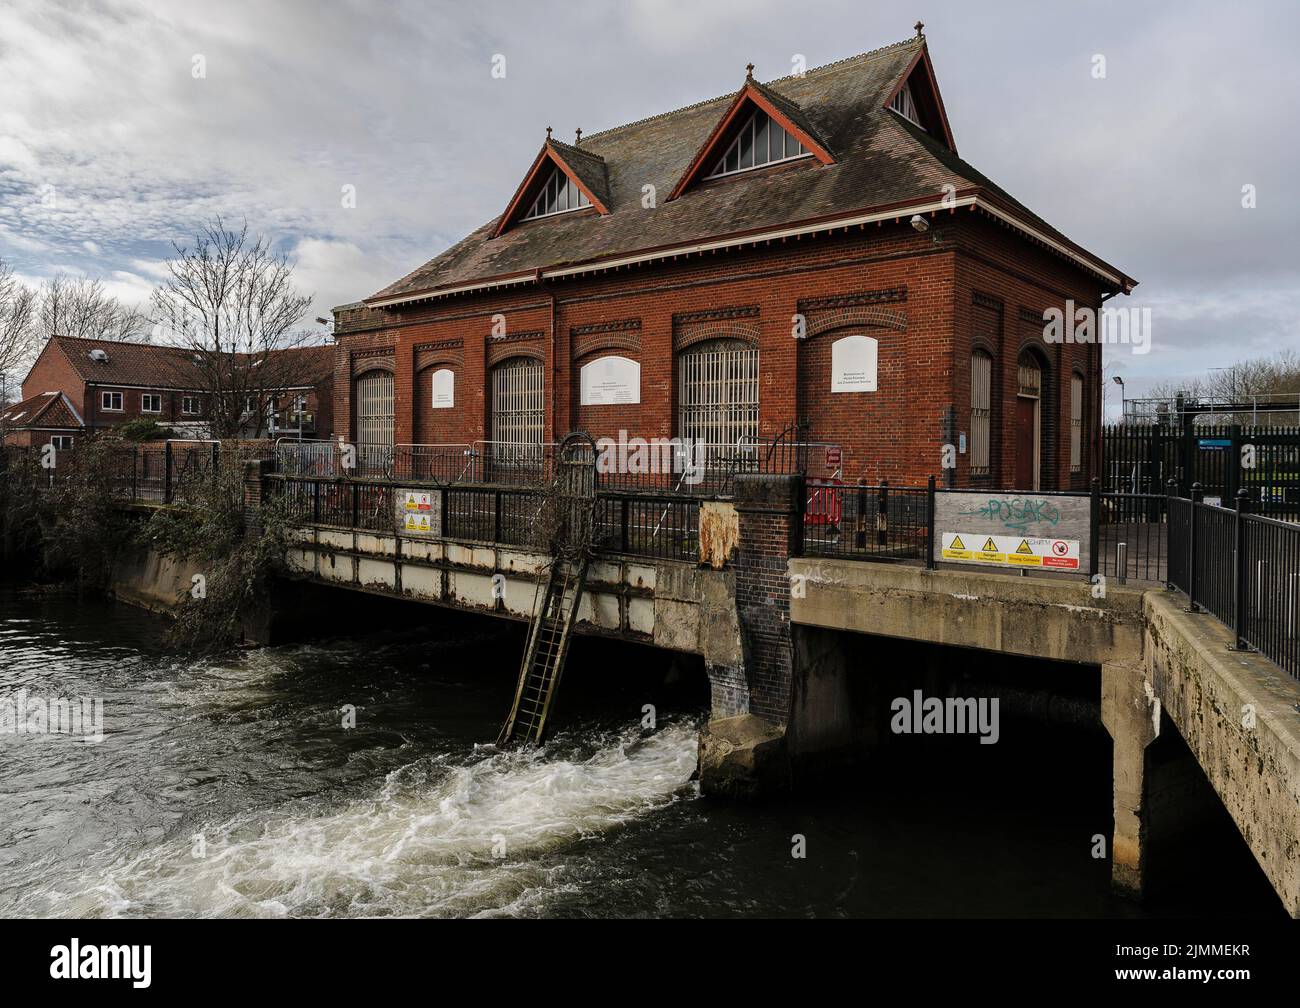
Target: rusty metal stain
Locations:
point(719, 533)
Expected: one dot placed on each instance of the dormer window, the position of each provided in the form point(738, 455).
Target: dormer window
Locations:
point(904, 106)
point(760, 142)
point(558, 195)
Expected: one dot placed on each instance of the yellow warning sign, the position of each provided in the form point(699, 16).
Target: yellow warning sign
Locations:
point(1013, 551)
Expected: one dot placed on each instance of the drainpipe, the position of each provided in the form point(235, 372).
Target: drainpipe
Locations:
point(550, 385)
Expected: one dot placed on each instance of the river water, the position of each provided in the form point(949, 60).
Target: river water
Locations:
point(229, 786)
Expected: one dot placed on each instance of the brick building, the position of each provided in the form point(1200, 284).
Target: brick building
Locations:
point(105, 383)
point(45, 418)
point(810, 249)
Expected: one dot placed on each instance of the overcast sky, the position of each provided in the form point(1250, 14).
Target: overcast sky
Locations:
point(112, 144)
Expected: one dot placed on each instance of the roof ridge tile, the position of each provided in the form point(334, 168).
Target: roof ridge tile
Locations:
point(774, 80)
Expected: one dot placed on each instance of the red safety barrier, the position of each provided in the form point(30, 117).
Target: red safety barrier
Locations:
point(825, 505)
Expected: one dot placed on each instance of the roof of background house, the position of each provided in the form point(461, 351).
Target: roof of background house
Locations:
point(880, 159)
point(45, 409)
point(154, 365)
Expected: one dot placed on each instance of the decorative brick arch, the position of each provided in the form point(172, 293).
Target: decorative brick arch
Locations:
point(859, 315)
point(505, 349)
point(585, 346)
point(361, 363)
point(428, 355)
point(746, 332)
point(364, 368)
point(423, 362)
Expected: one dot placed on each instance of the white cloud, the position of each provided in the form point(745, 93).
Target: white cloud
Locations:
point(101, 111)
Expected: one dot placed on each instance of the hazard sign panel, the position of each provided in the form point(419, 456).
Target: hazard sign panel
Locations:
point(1011, 550)
point(419, 513)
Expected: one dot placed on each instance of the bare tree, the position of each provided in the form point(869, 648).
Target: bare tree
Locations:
point(229, 303)
point(80, 307)
point(17, 339)
point(1272, 381)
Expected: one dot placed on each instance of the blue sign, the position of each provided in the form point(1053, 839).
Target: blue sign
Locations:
point(1214, 442)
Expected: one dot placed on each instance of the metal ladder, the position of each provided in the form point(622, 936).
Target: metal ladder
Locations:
point(548, 644)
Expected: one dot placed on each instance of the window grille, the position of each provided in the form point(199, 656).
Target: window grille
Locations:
point(981, 384)
point(374, 419)
point(518, 411)
point(717, 399)
point(1076, 423)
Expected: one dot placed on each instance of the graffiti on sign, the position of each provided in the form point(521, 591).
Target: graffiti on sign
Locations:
point(1013, 529)
point(1017, 514)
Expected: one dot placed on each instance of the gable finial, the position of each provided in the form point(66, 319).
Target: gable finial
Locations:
point(919, 28)
point(749, 71)
point(548, 134)
point(577, 139)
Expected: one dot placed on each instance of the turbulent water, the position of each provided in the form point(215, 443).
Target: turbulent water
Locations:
point(230, 787)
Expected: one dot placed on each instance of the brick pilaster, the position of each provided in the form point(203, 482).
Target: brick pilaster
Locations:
point(770, 510)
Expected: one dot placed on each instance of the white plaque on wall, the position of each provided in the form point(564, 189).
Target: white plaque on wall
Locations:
point(444, 388)
point(853, 364)
point(607, 381)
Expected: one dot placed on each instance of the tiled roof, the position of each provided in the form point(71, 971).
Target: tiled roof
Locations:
point(880, 160)
point(158, 366)
point(44, 410)
point(130, 363)
point(590, 168)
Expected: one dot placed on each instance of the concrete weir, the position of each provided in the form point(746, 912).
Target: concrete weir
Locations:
point(781, 639)
point(1159, 667)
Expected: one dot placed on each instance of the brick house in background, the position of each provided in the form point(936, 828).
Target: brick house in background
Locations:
point(105, 383)
point(45, 418)
point(809, 249)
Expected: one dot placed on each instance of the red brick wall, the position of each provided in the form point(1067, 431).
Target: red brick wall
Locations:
point(923, 397)
point(438, 426)
point(53, 373)
point(996, 267)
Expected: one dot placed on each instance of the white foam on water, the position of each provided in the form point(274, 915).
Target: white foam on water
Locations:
point(423, 845)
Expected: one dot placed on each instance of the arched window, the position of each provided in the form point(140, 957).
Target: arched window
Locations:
point(981, 399)
point(518, 412)
point(1076, 422)
point(1029, 422)
point(374, 419)
point(717, 394)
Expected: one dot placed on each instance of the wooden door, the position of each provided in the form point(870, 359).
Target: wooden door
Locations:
point(1025, 416)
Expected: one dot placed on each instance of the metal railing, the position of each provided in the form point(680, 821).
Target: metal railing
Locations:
point(635, 524)
point(1242, 568)
point(1133, 537)
point(866, 522)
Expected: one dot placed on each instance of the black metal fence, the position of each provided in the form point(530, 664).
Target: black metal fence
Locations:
point(1128, 537)
point(878, 521)
point(635, 524)
point(656, 466)
point(1242, 568)
point(1265, 461)
point(1132, 540)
